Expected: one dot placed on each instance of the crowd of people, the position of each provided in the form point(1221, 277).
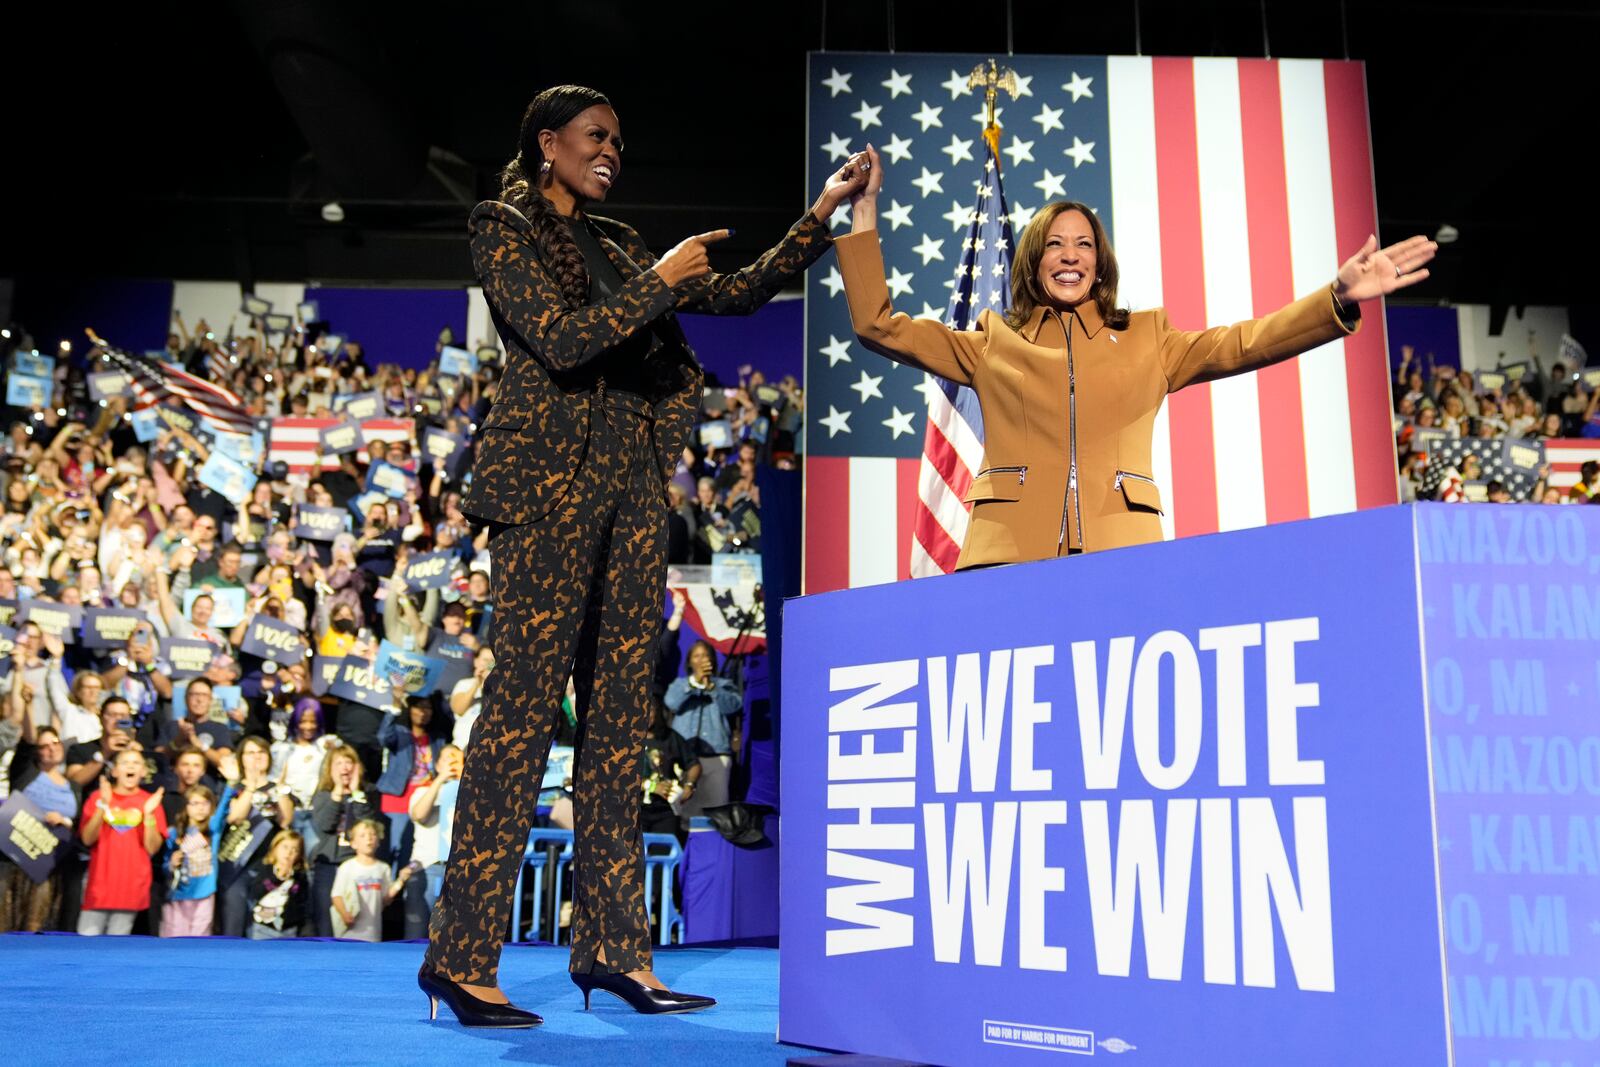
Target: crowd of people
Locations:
point(238, 791)
point(1450, 430)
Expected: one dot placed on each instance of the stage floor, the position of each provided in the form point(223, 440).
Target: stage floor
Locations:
point(139, 1000)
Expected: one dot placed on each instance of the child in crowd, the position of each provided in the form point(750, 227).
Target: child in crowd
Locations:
point(280, 890)
point(339, 804)
point(122, 826)
point(364, 887)
point(192, 861)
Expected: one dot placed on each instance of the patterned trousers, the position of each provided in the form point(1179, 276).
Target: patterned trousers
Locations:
point(577, 592)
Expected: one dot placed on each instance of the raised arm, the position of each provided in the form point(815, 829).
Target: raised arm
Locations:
point(921, 343)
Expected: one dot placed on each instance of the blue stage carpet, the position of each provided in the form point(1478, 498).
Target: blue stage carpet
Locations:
point(138, 1000)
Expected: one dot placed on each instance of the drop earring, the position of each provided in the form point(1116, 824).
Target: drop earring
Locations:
point(544, 168)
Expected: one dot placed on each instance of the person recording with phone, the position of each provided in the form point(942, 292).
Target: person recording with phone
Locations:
point(599, 394)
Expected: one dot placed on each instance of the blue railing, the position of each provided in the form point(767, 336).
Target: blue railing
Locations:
point(546, 860)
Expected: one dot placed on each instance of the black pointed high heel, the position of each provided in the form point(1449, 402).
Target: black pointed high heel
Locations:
point(641, 998)
point(471, 1010)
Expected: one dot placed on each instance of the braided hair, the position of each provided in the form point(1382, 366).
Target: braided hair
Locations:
point(521, 186)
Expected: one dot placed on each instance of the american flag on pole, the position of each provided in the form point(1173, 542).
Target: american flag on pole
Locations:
point(952, 447)
point(156, 383)
point(1228, 187)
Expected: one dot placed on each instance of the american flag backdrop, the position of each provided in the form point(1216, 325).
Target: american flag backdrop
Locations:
point(293, 439)
point(1228, 188)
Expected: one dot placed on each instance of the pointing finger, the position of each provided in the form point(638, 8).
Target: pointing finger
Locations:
point(714, 235)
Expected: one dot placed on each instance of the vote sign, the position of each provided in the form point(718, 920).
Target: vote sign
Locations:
point(1157, 801)
point(274, 640)
point(431, 570)
point(313, 523)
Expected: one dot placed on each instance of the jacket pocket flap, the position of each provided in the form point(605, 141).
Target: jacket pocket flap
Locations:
point(1140, 493)
point(509, 415)
point(1001, 486)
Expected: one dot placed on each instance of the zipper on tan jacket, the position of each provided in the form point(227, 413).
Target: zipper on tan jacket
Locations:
point(1020, 472)
point(1071, 498)
point(1129, 474)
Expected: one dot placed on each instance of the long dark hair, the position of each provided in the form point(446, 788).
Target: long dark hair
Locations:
point(1025, 292)
point(520, 186)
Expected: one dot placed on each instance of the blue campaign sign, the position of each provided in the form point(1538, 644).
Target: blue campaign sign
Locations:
point(313, 523)
point(146, 424)
point(418, 671)
point(359, 406)
point(28, 390)
point(1170, 801)
point(247, 449)
point(227, 604)
point(1511, 619)
point(390, 480)
point(33, 363)
point(227, 476)
point(454, 360)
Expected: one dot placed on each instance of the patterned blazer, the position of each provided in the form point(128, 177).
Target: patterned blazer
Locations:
point(536, 435)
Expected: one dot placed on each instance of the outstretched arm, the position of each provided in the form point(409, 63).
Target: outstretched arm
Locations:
point(1205, 355)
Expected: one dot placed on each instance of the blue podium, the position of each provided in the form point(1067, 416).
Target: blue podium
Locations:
point(1323, 792)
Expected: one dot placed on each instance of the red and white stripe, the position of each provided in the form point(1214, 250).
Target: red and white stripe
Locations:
point(860, 517)
point(1237, 185)
point(703, 616)
point(951, 455)
point(1567, 456)
point(294, 440)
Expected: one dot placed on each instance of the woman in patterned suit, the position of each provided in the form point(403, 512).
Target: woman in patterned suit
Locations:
point(599, 394)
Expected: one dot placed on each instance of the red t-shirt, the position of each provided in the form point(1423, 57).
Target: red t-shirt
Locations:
point(421, 773)
point(119, 866)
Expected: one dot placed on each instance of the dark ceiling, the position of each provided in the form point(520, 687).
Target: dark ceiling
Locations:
point(199, 140)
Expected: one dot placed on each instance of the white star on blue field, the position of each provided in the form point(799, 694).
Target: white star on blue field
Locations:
point(927, 126)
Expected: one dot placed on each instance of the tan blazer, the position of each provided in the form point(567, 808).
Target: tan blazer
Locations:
point(1067, 391)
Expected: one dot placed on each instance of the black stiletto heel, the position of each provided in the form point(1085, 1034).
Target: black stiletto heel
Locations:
point(641, 998)
point(471, 1010)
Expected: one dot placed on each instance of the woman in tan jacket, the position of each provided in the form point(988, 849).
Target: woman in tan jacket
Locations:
point(1070, 384)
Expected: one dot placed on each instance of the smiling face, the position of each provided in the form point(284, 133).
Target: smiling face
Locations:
point(585, 155)
point(1066, 271)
